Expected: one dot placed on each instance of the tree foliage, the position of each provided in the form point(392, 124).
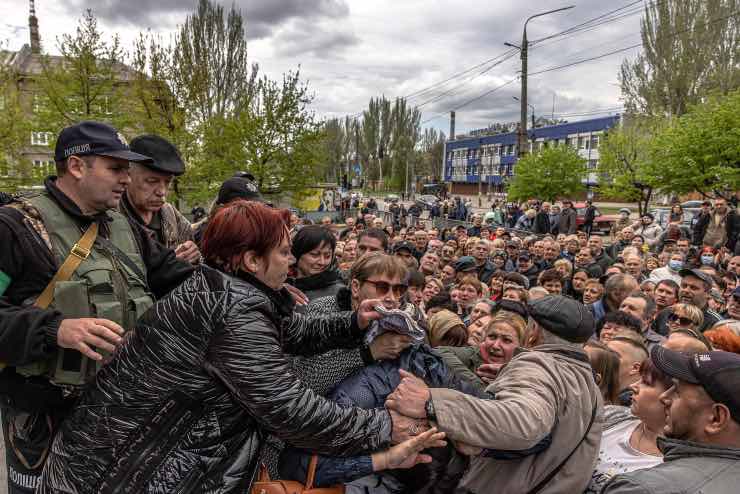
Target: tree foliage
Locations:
point(700, 151)
point(212, 76)
point(625, 159)
point(388, 142)
point(85, 83)
point(556, 171)
point(690, 48)
point(15, 130)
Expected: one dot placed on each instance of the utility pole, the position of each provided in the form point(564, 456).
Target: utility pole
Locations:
point(522, 137)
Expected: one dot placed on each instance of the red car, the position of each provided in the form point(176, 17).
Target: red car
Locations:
point(602, 222)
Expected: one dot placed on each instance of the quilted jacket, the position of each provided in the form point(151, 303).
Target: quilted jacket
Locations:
point(185, 402)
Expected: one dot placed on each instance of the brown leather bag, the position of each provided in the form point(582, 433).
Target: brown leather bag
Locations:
point(266, 486)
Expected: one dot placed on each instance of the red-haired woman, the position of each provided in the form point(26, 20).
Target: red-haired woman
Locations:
point(183, 404)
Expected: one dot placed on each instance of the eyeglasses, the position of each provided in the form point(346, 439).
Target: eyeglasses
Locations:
point(383, 287)
point(683, 321)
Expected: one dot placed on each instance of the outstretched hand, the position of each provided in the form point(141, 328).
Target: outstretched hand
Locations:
point(410, 397)
point(407, 454)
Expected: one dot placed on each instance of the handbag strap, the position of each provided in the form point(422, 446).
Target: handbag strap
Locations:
point(311, 475)
point(555, 471)
point(80, 251)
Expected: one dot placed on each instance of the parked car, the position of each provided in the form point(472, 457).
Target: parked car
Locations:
point(602, 222)
point(691, 204)
point(392, 198)
point(663, 214)
point(426, 202)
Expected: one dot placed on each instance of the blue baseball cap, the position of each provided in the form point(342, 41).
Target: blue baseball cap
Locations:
point(90, 138)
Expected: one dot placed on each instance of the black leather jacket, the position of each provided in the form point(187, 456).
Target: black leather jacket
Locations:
point(185, 402)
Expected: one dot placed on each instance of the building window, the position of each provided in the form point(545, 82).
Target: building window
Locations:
point(40, 138)
point(583, 143)
point(571, 142)
point(594, 142)
point(43, 168)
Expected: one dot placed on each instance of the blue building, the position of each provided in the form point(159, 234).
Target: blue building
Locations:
point(485, 162)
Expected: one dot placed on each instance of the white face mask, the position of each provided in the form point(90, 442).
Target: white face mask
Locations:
point(675, 265)
point(707, 260)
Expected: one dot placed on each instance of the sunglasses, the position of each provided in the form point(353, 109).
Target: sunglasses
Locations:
point(683, 321)
point(382, 288)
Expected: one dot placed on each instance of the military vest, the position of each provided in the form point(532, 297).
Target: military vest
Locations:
point(104, 286)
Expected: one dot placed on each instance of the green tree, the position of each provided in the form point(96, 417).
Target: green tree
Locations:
point(404, 138)
point(700, 151)
point(690, 48)
point(556, 171)
point(430, 153)
point(625, 159)
point(211, 75)
point(85, 83)
point(15, 130)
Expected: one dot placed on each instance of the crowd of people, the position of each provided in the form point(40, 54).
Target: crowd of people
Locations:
point(142, 353)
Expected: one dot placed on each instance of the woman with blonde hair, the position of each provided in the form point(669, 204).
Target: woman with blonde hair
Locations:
point(685, 316)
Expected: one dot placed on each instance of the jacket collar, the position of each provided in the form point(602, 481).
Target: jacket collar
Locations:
point(321, 280)
point(675, 449)
point(562, 350)
point(280, 299)
point(72, 209)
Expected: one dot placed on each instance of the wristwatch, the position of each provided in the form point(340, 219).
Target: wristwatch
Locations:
point(429, 407)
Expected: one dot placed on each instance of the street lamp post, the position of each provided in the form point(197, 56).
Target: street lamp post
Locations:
point(523, 99)
point(530, 106)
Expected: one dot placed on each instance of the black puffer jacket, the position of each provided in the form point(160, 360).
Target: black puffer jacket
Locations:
point(323, 284)
point(183, 404)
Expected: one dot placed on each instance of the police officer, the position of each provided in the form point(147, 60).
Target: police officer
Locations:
point(106, 271)
point(145, 199)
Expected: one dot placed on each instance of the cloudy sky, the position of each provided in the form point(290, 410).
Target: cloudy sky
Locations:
point(352, 50)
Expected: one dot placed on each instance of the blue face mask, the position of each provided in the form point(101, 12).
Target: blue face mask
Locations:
point(707, 260)
point(675, 265)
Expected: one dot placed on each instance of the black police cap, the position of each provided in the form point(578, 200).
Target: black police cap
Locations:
point(165, 156)
point(94, 138)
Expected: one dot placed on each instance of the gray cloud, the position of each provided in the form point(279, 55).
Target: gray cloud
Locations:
point(352, 50)
point(323, 40)
point(262, 17)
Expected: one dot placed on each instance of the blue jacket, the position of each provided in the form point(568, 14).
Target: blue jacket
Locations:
point(368, 389)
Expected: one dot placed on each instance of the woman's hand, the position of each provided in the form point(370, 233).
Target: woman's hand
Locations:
point(407, 454)
point(366, 312)
point(298, 296)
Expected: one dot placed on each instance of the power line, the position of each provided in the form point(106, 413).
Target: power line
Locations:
point(613, 52)
point(454, 88)
point(490, 91)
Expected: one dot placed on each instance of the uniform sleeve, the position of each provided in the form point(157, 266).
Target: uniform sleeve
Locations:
point(27, 333)
point(247, 357)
